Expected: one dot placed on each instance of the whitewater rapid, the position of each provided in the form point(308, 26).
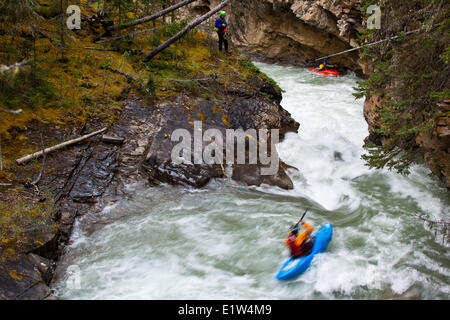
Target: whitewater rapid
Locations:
point(225, 241)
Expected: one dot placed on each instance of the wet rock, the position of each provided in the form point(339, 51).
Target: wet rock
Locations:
point(251, 176)
point(96, 174)
point(113, 140)
point(21, 281)
point(371, 106)
point(159, 162)
point(44, 267)
point(47, 245)
point(245, 111)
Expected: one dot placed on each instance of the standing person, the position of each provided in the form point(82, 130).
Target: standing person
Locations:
point(221, 25)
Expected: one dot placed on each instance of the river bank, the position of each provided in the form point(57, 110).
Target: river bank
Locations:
point(95, 174)
point(225, 240)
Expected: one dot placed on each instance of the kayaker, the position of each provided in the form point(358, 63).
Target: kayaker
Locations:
point(221, 25)
point(325, 65)
point(300, 244)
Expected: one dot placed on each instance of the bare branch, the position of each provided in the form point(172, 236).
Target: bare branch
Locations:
point(98, 49)
point(18, 111)
point(150, 18)
point(128, 76)
point(58, 147)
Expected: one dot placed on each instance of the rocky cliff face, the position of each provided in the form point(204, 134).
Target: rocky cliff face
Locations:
point(401, 106)
point(241, 107)
point(436, 146)
point(295, 32)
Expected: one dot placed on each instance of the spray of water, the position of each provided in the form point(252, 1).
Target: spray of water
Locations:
point(226, 241)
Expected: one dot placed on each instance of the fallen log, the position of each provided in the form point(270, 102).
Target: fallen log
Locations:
point(98, 49)
point(132, 34)
point(57, 147)
point(150, 18)
point(4, 68)
point(185, 30)
point(126, 75)
point(18, 111)
point(189, 80)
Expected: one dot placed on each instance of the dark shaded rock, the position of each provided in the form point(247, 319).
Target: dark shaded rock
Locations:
point(243, 113)
point(45, 267)
point(251, 176)
point(48, 246)
point(159, 162)
point(95, 175)
point(67, 217)
point(254, 105)
point(20, 281)
point(113, 140)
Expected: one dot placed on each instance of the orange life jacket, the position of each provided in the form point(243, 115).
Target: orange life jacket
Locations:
point(296, 243)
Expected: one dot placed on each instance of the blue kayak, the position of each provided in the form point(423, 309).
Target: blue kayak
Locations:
point(295, 267)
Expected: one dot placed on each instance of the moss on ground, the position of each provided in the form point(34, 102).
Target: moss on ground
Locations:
point(67, 87)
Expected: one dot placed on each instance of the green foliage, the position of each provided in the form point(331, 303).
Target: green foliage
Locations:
point(375, 81)
point(154, 40)
point(26, 88)
point(366, 3)
point(445, 57)
point(150, 86)
point(106, 63)
point(166, 32)
point(173, 28)
point(370, 85)
point(247, 64)
point(394, 159)
point(411, 76)
point(440, 95)
point(17, 11)
point(18, 225)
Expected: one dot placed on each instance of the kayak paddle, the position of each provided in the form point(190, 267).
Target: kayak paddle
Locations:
point(295, 226)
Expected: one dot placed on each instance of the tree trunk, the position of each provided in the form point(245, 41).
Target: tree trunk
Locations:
point(58, 147)
point(150, 18)
point(185, 30)
point(131, 34)
point(126, 75)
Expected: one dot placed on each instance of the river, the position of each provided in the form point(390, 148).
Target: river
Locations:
point(225, 241)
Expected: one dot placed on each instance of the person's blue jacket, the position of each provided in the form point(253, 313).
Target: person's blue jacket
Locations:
point(219, 23)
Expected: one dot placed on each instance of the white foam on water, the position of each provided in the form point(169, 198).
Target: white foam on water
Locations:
point(225, 241)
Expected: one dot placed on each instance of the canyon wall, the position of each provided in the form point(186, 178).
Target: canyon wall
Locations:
point(295, 32)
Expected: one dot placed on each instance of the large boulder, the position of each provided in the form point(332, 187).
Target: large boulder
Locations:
point(242, 109)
